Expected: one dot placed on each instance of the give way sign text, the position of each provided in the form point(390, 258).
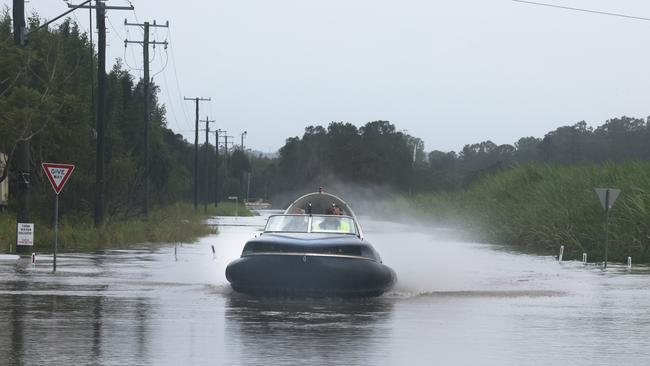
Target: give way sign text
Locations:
point(58, 174)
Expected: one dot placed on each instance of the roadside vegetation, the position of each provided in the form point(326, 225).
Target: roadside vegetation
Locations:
point(45, 101)
point(540, 207)
point(177, 223)
point(228, 209)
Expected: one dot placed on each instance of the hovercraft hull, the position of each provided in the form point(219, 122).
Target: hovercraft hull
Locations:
point(309, 274)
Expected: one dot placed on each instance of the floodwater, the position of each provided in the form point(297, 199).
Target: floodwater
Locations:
point(456, 303)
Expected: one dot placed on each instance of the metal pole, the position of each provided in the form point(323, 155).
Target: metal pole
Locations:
point(56, 230)
point(606, 226)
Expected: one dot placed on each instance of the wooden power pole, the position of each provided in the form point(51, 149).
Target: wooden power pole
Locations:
point(22, 146)
point(147, 97)
point(206, 195)
point(196, 149)
point(100, 10)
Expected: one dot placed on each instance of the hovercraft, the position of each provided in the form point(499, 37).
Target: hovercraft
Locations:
point(315, 248)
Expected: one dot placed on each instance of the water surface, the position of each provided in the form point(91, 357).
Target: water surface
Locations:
point(456, 303)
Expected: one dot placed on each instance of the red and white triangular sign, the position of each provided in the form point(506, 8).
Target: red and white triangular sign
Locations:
point(57, 174)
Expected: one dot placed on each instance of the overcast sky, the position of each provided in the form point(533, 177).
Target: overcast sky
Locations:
point(449, 72)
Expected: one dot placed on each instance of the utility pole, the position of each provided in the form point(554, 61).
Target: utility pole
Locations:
point(225, 151)
point(19, 22)
point(22, 146)
point(218, 133)
point(100, 8)
point(147, 98)
point(207, 164)
point(248, 187)
point(216, 167)
point(242, 139)
point(196, 149)
point(241, 174)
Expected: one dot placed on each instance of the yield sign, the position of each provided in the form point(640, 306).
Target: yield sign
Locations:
point(57, 174)
point(607, 196)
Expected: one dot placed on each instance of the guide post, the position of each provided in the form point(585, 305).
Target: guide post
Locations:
point(58, 175)
point(607, 197)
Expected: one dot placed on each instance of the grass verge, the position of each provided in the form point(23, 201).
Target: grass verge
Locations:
point(228, 209)
point(175, 223)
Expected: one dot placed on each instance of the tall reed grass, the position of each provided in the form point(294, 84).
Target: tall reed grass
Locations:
point(541, 207)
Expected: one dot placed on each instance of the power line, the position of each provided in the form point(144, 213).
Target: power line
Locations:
point(582, 10)
point(115, 30)
point(78, 21)
point(164, 66)
point(171, 105)
point(178, 87)
point(126, 61)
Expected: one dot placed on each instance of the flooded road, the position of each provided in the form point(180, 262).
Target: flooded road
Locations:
point(456, 303)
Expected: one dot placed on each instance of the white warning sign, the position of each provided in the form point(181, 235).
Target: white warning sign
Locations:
point(25, 234)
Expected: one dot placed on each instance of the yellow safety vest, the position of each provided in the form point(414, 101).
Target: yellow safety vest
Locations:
point(344, 226)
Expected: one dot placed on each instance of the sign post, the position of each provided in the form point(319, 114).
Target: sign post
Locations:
point(58, 175)
point(607, 197)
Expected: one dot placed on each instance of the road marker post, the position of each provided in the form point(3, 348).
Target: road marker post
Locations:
point(607, 197)
point(58, 175)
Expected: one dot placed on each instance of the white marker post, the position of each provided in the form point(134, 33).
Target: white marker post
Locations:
point(58, 175)
point(607, 197)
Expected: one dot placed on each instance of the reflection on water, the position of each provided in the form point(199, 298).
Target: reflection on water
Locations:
point(54, 329)
point(455, 303)
point(307, 331)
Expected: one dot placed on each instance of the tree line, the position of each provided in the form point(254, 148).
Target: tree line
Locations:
point(46, 93)
point(46, 99)
point(379, 154)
